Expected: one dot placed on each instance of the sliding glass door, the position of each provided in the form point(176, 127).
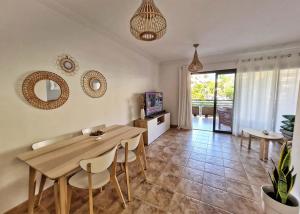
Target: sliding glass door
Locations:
point(224, 101)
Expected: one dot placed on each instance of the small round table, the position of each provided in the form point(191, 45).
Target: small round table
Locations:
point(264, 140)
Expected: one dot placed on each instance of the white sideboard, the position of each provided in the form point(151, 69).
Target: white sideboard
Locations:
point(155, 126)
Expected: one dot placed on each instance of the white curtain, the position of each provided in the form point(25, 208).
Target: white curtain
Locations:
point(261, 85)
point(255, 95)
point(185, 99)
point(288, 87)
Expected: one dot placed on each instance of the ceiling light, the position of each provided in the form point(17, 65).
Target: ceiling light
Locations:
point(148, 23)
point(196, 65)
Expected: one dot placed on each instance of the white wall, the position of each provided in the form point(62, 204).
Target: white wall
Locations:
point(296, 150)
point(168, 79)
point(31, 38)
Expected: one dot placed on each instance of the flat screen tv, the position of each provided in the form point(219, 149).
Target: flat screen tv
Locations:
point(153, 103)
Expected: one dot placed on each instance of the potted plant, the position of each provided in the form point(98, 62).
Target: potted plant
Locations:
point(277, 198)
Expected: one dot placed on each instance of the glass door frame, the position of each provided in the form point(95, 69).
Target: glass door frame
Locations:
point(220, 72)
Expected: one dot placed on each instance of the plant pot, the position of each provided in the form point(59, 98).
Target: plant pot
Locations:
point(271, 206)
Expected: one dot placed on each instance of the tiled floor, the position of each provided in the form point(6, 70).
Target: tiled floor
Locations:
point(189, 172)
point(206, 124)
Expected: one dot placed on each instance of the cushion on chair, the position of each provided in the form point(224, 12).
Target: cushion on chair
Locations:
point(80, 179)
point(121, 156)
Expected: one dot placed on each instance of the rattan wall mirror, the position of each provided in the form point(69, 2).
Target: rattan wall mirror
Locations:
point(94, 84)
point(67, 64)
point(45, 90)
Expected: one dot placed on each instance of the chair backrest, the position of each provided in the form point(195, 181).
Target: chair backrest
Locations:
point(101, 163)
point(225, 115)
point(88, 131)
point(44, 143)
point(132, 143)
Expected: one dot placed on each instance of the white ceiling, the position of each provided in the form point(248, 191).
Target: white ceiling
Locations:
point(219, 26)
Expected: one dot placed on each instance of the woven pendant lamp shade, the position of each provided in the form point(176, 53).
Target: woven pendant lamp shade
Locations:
point(148, 23)
point(196, 65)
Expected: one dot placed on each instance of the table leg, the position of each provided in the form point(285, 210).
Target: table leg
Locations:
point(249, 143)
point(143, 152)
point(31, 190)
point(261, 149)
point(242, 136)
point(266, 150)
point(62, 195)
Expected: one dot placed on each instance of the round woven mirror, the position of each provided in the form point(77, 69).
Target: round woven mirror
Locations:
point(67, 63)
point(45, 90)
point(94, 84)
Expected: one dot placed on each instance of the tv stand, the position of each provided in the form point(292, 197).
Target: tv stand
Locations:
point(156, 126)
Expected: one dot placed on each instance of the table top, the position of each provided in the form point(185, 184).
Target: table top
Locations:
point(63, 157)
point(260, 134)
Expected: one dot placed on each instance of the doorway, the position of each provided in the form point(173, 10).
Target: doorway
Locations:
point(213, 100)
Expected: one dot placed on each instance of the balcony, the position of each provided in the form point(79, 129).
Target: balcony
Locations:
point(203, 111)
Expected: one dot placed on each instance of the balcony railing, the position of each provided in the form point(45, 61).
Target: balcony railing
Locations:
point(210, 103)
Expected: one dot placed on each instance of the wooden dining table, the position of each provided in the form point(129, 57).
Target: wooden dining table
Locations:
point(57, 161)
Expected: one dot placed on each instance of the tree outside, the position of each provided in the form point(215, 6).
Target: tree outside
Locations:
point(203, 87)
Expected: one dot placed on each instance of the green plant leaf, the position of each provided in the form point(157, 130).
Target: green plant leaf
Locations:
point(283, 152)
point(282, 187)
point(274, 183)
point(289, 179)
point(286, 162)
point(292, 183)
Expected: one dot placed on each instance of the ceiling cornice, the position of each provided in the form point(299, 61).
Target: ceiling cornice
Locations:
point(68, 13)
point(235, 56)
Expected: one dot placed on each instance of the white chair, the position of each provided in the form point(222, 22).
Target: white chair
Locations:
point(130, 152)
point(40, 145)
point(88, 131)
point(95, 175)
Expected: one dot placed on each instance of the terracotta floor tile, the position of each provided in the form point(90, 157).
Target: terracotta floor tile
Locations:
point(214, 169)
point(192, 174)
point(184, 204)
point(241, 205)
point(172, 169)
point(259, 180)
point(179, 160)
point(215, 181)
point(198, 156)
point(214, 160)
point(189, 188)
point(214, 196)
point(159, 197)
point(236, 175)
point(238, 188)
point(195, 164)
point(233, 165)
point(168, 181)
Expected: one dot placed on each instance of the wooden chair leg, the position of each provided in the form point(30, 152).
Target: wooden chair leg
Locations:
point(56, 197)
point(127, 181)
point(41, 188)
point(69, 198)
point(141, 165)
point(118, 189)
point(143, 152)
point(91, 205)
point(31, 189)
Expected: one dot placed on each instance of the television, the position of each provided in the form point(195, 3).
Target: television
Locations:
point(153, 103)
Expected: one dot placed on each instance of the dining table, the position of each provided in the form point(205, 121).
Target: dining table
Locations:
point(59, 160)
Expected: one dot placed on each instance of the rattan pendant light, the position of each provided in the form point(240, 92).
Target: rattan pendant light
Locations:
point(196, 65)
point(148, 23)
